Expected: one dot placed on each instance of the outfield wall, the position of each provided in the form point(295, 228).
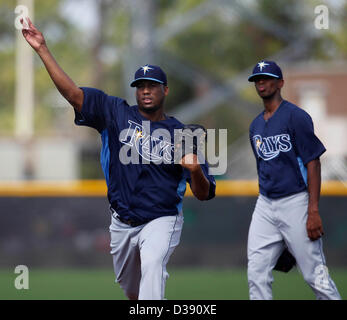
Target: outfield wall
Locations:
point(66, 225)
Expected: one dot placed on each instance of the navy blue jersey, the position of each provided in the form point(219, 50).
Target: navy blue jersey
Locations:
point(137, 158)
point(283, 145)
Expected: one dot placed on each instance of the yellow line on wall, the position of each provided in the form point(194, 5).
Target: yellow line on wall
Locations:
point(78, 188)
point(97, 188)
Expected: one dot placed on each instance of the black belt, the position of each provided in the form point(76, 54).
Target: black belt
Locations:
point(130, 222)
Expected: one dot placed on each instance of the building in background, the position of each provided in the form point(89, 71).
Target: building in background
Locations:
point(320, 89)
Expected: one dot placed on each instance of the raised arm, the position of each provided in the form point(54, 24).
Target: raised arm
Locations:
point(72, 93)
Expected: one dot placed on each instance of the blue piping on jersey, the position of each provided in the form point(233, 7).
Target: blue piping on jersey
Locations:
point(180, 192)
point(303, 169)
point(105, 155)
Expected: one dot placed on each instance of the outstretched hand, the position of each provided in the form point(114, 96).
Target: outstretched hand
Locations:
point(33, 36)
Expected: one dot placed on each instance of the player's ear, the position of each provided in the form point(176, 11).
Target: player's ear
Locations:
point(166, 90)
point(280, 83)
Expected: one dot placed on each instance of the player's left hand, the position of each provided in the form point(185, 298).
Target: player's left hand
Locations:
point(314, 225)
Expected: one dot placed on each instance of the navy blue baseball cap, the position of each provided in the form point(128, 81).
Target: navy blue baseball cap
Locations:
point(266, 68)
point(149, 72)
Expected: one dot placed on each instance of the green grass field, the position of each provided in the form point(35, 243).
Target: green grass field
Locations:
point(183, 284)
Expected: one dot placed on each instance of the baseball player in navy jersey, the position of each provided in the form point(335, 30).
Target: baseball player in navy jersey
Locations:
point(145, 186)
point(286, 215)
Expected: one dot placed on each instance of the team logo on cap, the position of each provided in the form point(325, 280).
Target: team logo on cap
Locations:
point(146, 68)
point(262, 65)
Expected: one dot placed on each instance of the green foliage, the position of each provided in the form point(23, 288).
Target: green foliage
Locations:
point(288, 14)
point(338, 38)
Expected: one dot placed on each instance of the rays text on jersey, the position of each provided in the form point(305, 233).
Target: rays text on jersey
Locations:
point(270, 147)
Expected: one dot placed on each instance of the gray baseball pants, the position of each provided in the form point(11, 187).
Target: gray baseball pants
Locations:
point(277, 223)
point(140, 255)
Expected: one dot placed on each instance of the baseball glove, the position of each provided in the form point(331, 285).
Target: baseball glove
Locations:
point(191, 139)
point(285, 262)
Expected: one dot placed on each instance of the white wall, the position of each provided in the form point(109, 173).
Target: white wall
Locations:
point(44, 159)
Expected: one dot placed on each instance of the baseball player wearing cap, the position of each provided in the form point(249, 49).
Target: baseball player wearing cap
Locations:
point(286, 214)
point(145, 186)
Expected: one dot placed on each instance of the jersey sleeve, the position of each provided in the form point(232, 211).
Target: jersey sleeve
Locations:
point(211, 179)
point(95, 110)
point(307, 145)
